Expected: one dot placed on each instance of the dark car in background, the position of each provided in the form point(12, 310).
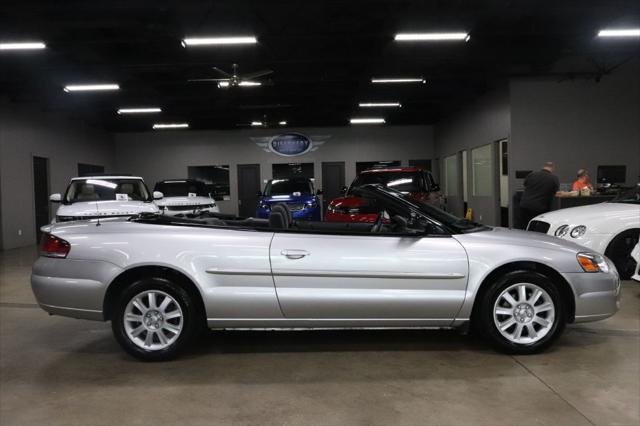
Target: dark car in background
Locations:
point(297, 193)
point(417, 183)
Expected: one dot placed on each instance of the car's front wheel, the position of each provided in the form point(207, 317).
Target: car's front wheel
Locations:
point(154, 319)
point(522, 312)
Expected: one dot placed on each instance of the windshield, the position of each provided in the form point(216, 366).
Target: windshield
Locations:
point(400, 181)
point(454, 223)
point(632, 196)
point(104, 189)
point(181, 188)
point(288, 187)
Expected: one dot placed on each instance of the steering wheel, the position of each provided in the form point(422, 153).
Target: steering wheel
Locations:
point(377, 226)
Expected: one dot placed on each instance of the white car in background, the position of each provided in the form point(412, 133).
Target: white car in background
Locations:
point(96, 197)
point(185, 196)
point(611, 228)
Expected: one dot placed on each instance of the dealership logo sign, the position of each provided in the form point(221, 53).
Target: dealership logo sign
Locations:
point(290, 144)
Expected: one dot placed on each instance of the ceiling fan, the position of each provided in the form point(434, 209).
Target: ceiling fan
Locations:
point(234, 79)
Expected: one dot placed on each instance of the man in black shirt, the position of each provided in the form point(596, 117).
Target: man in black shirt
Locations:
point(539, 189)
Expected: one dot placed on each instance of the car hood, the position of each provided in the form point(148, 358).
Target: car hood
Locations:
point(184, 201)
point(593, 215)
point(106, 208)
point(505, 237)
point(287, 199)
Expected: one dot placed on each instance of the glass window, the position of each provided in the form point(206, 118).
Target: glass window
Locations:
point(303, 186)
point(215, 178)
point(451, 176)
point(482, 173)
point(101, 189)
point(181, 188)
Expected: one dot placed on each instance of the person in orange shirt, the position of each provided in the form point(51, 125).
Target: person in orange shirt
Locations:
point(582, 181)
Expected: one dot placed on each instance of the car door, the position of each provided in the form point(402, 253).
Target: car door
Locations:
point(380, 279)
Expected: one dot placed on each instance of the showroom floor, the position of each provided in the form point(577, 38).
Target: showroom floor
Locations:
point(57, 370)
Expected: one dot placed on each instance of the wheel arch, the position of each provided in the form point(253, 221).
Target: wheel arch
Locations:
point(147, 271)
point(529, 266)
point(617, 235)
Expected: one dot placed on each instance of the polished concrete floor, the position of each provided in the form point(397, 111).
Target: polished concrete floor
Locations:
point(63, 371)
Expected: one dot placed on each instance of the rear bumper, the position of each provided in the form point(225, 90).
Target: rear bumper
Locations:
point(73, 288)
point(597, 295)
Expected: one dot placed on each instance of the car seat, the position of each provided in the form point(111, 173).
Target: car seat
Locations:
point(87, 193)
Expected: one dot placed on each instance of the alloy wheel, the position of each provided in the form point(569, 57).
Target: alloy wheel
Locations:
point(153, 320)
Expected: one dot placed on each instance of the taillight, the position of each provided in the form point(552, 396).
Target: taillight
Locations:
point(52, 246)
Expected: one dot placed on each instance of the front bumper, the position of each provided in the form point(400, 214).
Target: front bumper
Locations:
point(597, 295)
point(72, 288)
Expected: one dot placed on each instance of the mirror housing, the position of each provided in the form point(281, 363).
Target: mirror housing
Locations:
point(435, 187)
point(319, 192)
point(343, 190)
point(55, 198)
point(259, 193)
point(157, 195)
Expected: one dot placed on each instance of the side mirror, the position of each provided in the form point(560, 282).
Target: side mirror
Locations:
point(55, 198)
point(343, 190)
point(259, 193)
point(157, 195)
point(435, 187)
point(319, 192)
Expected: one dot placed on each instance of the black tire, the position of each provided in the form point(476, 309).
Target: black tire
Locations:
point(484, 319)
point(619, 251)
point(190, 319)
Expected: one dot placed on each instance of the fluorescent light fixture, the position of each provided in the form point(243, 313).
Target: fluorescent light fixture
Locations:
point(26, 45)
point(171, 126)
point(256, 123)
point(379, 105)
point(432, 37)
point(282, 123)
point(398, 80)
point(90, 87)
point(138, 110)
point(212, 41)
point(627, 32)
point(367, 121)
point(225, 84)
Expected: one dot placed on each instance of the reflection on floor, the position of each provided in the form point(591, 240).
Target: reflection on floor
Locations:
point(57, 370)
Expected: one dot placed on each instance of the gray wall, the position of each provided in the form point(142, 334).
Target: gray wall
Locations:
point(485, 121)
point(159, 155)
point(27, 132)
point(576, 124)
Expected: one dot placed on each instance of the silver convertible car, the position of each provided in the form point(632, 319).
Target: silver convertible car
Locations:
point(160, 280)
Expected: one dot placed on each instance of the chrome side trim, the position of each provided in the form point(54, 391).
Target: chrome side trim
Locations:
point(254, 272)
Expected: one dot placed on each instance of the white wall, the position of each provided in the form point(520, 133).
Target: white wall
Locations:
point(483, 122)
point(160, 155)
point(27, 132)
point(576, 124)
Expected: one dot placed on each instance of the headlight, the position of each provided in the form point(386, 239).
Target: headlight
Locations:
point(592, 262)
point(578, 231)
point(561, 231)
point(312, 204)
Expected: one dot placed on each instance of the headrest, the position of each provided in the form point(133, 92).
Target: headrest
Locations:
point(126, 188)
point(87, 189)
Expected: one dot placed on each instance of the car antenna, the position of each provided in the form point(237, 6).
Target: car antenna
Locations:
point(98, 211)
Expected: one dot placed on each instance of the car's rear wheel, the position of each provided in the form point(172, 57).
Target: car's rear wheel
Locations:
point(154, 319)
point(522, 312)
point(619, 251)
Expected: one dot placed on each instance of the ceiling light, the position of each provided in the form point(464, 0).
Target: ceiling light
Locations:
point(282, 123)
point(432, 37)
point(367, 121)
point(28, 45)
point(224, 84)
point(628, 32)
point(379, 105)
point(398, 80)
point(138, 110)
point(256, 123)
point(171, 126)
point(90, 87)
point(210, 41)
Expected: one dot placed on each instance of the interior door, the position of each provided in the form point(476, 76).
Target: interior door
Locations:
point(379, 279)
point(41, 192)
point(332, 182)
point(248, 188)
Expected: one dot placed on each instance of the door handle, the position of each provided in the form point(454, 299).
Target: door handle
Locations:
point(295, 254)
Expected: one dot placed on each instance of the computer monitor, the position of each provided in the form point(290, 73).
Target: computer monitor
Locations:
point(612, 174)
